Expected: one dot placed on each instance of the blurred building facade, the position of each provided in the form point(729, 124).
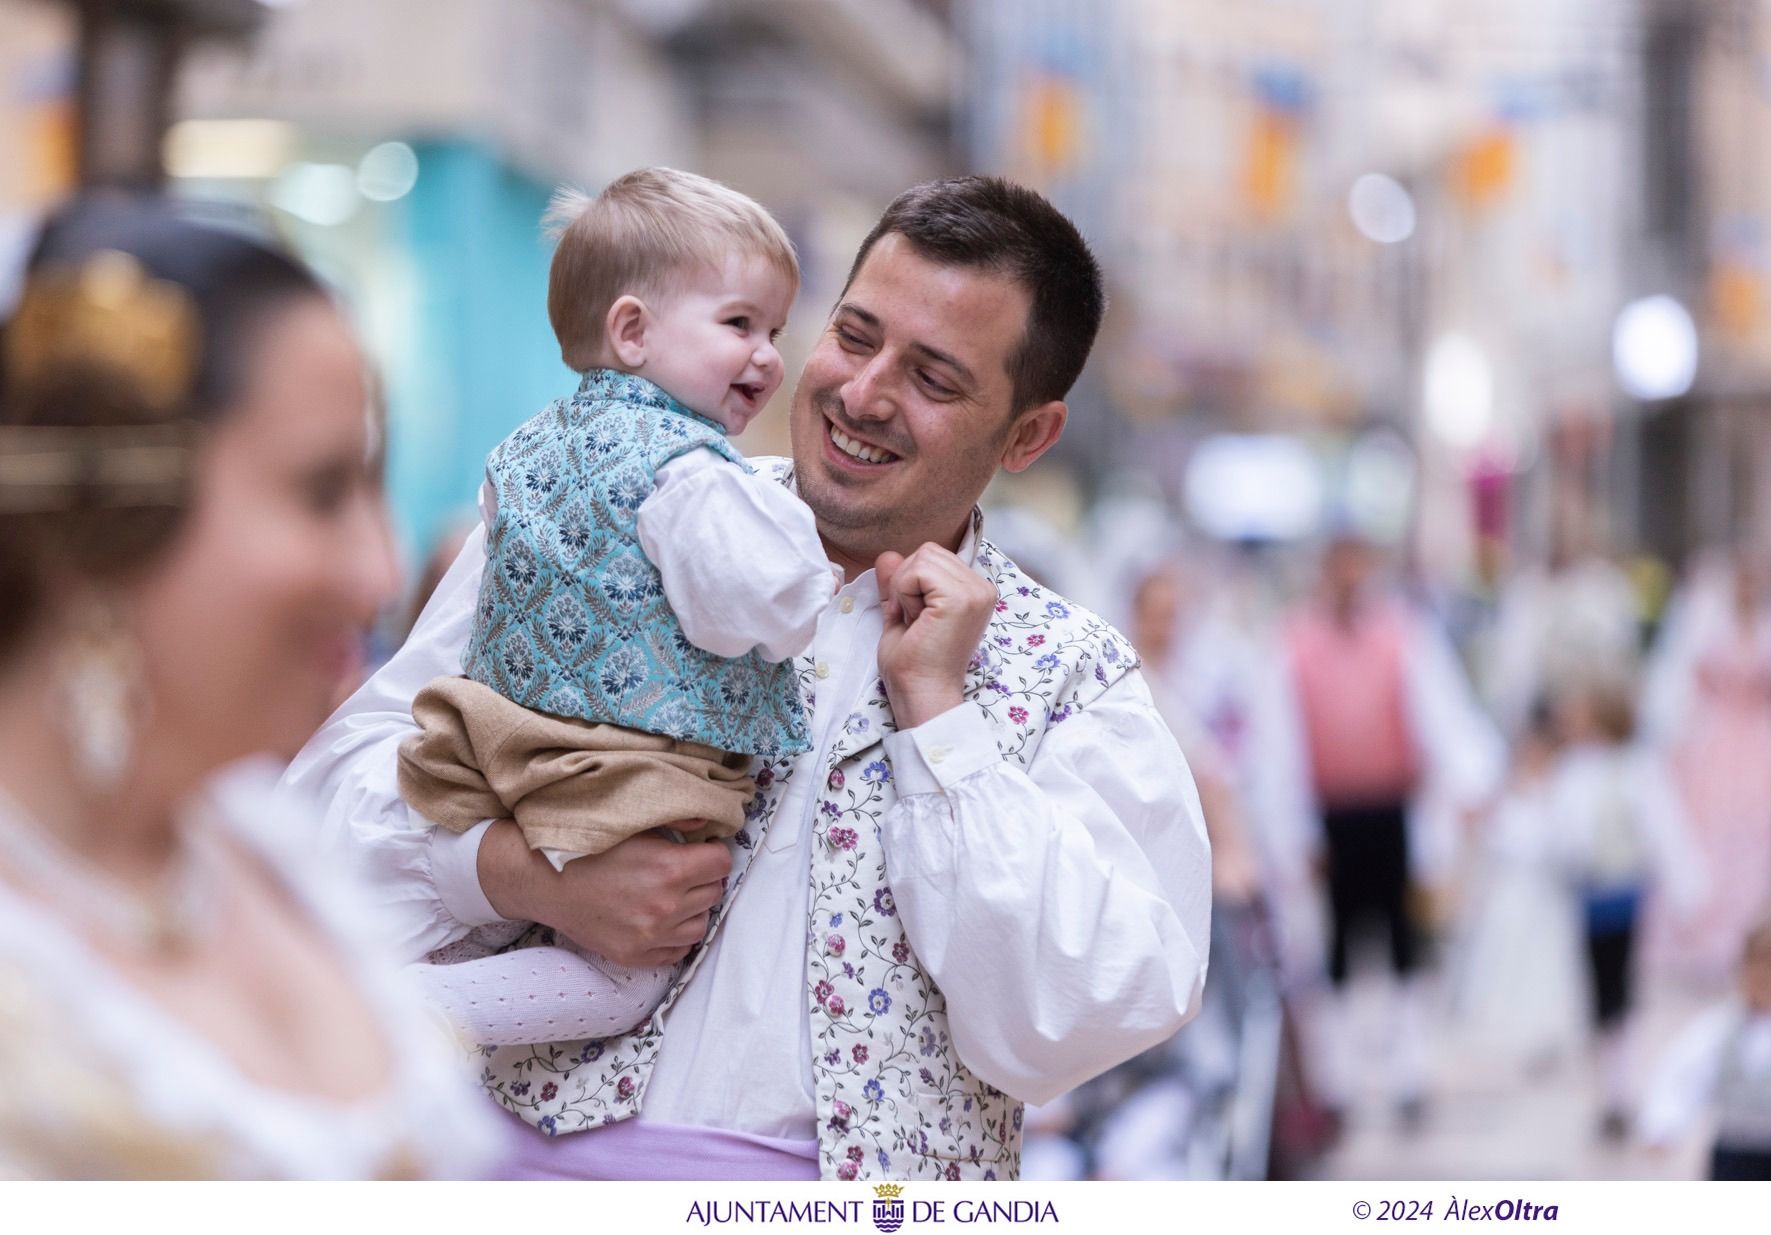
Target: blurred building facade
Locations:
point(37, 124)
point(1718, 462)
point(1546, 163)
point(410, 147)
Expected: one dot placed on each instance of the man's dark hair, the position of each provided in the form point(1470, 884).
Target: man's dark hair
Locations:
point(992, 224)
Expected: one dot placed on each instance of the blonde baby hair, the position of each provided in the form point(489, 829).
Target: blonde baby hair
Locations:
point(641, 236)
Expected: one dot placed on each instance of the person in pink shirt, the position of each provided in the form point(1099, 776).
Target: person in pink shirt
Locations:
point(1385, 716)
point(1347, 658)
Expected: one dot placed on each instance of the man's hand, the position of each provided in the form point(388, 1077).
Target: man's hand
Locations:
point(645, 902)
point(936, 609)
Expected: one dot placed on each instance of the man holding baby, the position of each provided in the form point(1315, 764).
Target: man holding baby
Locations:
point(978, 879)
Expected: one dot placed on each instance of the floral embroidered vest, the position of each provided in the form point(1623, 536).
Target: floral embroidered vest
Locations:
point(894, 1100)
point(572, 619)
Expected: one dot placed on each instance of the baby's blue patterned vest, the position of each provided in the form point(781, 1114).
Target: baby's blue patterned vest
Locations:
point(572, 618)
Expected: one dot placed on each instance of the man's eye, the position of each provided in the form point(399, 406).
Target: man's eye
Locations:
point(935, 387)
point(849, 338)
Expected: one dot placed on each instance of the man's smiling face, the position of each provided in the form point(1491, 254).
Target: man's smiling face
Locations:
point(903, 411)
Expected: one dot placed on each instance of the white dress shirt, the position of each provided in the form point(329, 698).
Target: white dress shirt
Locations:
point(1683, 1088)
point(1617, 815)
point(1088, 875)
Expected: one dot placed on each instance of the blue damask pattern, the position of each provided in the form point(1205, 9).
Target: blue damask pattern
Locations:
point(572, 618)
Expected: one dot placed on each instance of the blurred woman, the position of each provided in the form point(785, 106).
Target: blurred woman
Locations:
point(1176, 1112)
point(1516, 972)
point(1708, 702)
point(1156, 607)
point(189, 547)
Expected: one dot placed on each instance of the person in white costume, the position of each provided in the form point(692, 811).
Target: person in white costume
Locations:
point(191, 541)
point(993, 852)
point(1515, 970)
point(1719, 1069)
point(1556, 627)
point(1619, 833)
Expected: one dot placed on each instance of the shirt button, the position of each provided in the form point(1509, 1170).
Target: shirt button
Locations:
point(823, 670)
point(848, 604)
point(937, 754)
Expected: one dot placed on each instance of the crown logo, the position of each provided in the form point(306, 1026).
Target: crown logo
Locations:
point(888, 1191)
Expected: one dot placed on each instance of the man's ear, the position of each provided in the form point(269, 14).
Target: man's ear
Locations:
point(625, 331)
point(1032, 434)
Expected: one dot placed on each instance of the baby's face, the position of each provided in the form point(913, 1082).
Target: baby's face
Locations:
point(711, 342)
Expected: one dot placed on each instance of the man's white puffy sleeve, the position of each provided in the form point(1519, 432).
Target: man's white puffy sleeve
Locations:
point(425, 877)
point(1064, 911)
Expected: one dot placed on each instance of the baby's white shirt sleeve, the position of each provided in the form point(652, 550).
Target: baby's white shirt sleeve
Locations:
point(740, 557)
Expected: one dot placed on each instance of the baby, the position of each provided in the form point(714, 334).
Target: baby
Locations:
point(643, 590)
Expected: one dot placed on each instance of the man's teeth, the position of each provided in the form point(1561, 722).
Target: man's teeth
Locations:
point(849, 446)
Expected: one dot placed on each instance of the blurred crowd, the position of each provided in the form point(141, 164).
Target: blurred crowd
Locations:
point(1512, 819)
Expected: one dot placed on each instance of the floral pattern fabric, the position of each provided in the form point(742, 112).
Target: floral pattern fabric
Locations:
point(894, 1099)
point(572, 619)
